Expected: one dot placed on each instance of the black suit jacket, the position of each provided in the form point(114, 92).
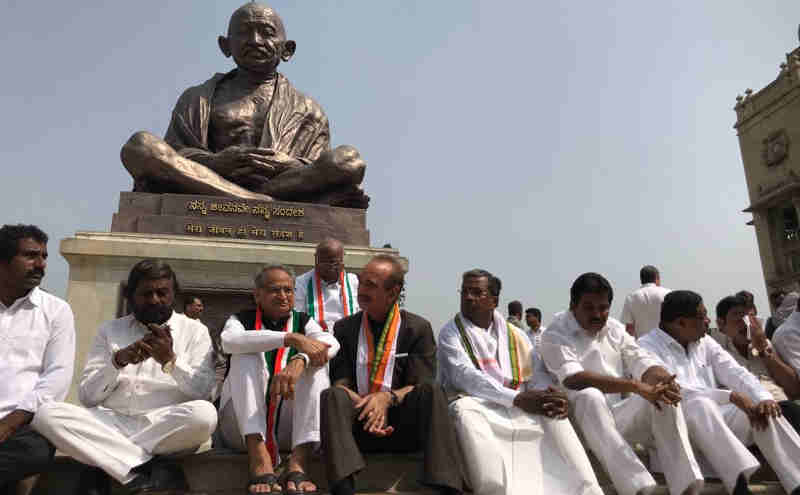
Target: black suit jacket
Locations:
point(415, 338)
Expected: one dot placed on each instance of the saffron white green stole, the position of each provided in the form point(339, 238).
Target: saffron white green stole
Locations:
point(508, 361)
point(375, 363)
point(316, 304)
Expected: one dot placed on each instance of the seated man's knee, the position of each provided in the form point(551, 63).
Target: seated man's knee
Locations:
point(334, 395)
point(589, 396)
point(699, 407)
point(48, 416)
point(202, 417)
point(143, 144)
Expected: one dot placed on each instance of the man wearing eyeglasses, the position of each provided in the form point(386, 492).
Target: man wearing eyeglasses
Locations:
point(270, 397)
point(726, 408)
point(510, 419)
point(327, 293)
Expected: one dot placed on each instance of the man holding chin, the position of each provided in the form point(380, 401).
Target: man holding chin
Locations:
point(143, 387)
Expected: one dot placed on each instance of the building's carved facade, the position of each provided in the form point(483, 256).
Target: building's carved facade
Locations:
point(768, 126)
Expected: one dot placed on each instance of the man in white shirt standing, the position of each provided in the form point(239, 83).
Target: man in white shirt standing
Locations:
point(327, 293)
point(144, 387)
point(510, 420)
point(533, 317)
point(37, 351)
point(270, 398)
point(721, 421)
point(642, 307)
point(594, 358)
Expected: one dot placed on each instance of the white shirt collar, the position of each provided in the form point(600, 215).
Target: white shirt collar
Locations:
point(649, 284)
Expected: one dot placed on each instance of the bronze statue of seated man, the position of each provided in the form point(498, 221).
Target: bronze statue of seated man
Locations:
point(249, 133)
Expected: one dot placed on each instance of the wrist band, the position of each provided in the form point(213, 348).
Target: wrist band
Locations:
point(395, 398)
point(303, 356)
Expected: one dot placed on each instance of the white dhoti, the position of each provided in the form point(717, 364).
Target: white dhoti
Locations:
point(508, 451)
point(722, 432)
point(243, 408)
point(116, 442)
point(610, 429)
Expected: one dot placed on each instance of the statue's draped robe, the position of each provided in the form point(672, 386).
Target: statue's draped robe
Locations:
point(295, 125)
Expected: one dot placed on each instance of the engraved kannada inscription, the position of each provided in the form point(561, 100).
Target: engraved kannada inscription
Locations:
point(241, 208)
point(245, 231)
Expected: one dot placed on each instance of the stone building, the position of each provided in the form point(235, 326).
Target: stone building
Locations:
point(768, 126)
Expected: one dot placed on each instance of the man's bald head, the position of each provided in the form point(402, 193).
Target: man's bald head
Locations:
point(256, 10)
point(329, 259)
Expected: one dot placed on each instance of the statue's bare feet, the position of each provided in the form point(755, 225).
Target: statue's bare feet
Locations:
point(347, 197)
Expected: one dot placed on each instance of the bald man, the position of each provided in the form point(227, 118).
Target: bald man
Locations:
point(327, 293)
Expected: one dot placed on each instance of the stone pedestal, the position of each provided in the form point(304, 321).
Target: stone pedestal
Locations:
point(220, 270)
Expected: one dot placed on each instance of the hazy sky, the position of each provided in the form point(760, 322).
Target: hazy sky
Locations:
point(537, 140)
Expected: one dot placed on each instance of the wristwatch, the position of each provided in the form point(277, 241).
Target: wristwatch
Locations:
point(169, 366)
point(395, 398)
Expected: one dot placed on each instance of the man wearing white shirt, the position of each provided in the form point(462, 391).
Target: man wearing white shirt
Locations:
point(642, 307)
point(510, 420)
point(597, 360)
point(327, 293)
point(721, 421)
point(144, 387)
point(37, 351)
point(742, 335)
point(270, 398)
point(533, 317)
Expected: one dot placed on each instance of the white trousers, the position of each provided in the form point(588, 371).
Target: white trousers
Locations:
point(117, 442)
point(510, 452)
point(723, 432)
point(245, 390)
point(609, 431)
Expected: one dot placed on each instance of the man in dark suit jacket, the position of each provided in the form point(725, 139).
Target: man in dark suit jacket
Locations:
point(383, 397)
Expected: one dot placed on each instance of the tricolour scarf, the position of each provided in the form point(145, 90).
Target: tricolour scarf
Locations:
point(511, 347)
point(316, 304)
point(375, 363)
point(276, 360)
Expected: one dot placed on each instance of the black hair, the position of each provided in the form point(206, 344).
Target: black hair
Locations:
point(680, 303)
point(190, 300)
point(726, 303)
point(10, 235)
point(648, 274)
point(149, 270)
point(494, 283)
point(749, 299)
point(592, 283)
point(534, 311)
point(515, 308)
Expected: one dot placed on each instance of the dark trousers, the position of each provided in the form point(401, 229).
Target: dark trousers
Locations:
point(24, 453)
point(421, 422)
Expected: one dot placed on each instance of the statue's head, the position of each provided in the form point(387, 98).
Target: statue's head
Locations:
point(256, 39)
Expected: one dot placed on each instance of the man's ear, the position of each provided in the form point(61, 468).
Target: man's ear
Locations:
point(224, 45)
point(721, 325)
point(288, 49)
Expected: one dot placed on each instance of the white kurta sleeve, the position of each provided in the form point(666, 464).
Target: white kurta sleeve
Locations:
point(57, 364)
point(541, 377)
point(627, 314)
point(301, 294)
point(100, 376)
point(194, 367)
point(462, 373)
point(559, 356)
point(787, 343)
point(237, 340)
point(636, 358)
point(732, 375)
point(314, 331)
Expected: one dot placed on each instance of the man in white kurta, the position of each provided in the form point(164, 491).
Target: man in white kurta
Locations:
point(327, 293)
point(642, 307)
point(37, 351)
point(270, 398)
point(597, 361)
point(722, 421)
point(510, 423)
point(145, 385)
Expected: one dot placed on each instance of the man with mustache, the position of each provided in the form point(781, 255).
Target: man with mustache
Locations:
point(741, 334)
point(249, 133)
point(511, 421)
point(144, 387)
point(327, 293)
point(384, 398)
point(596, 360)
point(37, 352)
point(270, 398)
point(726, 407)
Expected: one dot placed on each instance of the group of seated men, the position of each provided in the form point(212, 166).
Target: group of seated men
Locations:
point(329, 360)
